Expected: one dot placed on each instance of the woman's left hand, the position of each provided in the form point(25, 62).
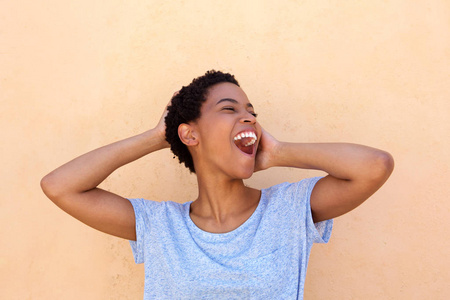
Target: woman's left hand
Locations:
point(267, 151)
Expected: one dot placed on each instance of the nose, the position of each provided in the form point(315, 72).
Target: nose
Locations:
point(248, 118)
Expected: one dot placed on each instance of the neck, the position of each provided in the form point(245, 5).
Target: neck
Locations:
point(221, 200)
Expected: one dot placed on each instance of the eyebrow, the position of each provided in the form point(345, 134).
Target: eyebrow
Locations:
point(232, 101)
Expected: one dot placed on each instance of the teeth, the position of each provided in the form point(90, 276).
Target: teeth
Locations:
point(246, 135)
point(250, 143)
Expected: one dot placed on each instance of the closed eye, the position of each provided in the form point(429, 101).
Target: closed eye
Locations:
point(233, 109)
point(229, 108)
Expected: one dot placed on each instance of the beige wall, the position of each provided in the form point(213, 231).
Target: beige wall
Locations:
point(75, 75)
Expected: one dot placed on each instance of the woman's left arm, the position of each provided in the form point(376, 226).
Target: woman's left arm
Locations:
point(355, 172)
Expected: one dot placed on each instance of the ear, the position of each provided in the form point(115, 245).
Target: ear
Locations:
point(187, 135)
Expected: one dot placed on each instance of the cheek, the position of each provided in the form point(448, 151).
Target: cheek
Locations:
point(258, 127)
point(216, 142)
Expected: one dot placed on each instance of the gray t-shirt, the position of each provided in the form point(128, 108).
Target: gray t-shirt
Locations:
point(264, 258)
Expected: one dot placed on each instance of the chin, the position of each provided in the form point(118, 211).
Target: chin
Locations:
point(245, 174)
point(240, 169)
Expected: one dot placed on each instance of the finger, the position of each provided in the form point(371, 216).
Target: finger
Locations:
point(170, 101)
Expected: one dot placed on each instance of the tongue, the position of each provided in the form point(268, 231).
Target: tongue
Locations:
point(241, 145)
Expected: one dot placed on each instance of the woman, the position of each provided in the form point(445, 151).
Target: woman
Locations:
point(233, 241)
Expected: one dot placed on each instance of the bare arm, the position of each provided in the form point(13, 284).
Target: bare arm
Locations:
point(73, 186)
point(355, 172)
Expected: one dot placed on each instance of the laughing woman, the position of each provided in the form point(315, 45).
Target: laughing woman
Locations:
point(233, 241)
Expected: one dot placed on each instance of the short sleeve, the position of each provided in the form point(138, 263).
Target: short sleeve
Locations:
point(319, 232)
point(141, 209)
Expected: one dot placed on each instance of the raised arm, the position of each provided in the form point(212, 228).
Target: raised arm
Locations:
point(73, 186)
point(355, 172)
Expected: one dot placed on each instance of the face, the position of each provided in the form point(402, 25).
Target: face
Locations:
point(227, 132)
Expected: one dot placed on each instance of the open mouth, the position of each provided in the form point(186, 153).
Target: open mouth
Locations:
point(245, 141)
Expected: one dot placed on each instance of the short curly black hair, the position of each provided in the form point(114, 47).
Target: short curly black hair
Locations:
point(185, 108)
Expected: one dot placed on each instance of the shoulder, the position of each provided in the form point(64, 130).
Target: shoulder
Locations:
point(150, 208)
point(290, 196)
point(301, 188)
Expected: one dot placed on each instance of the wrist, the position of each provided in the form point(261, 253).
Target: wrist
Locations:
point(296, 155)
point(277, 158)
point(155, 139)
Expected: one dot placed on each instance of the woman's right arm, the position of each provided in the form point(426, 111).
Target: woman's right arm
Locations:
point(73, 186)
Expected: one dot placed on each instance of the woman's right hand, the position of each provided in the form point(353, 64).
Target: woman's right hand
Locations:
point(161, 126)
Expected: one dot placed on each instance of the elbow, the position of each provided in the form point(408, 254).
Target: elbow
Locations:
point(382, 166)
point(386, 164)
point(50, 187)
point(46, 185)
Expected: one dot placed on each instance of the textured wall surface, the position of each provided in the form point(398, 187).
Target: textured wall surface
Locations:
point(75, 75)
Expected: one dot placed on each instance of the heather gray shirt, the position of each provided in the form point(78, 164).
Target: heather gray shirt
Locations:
point(264, 258)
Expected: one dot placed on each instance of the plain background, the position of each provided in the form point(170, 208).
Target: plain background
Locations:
point(75, 75)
